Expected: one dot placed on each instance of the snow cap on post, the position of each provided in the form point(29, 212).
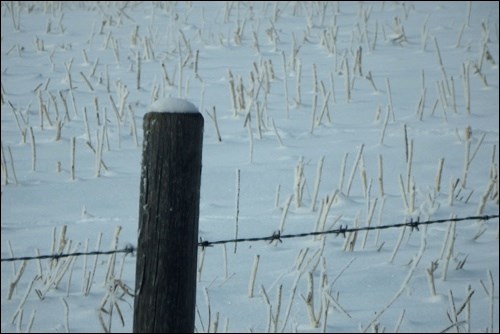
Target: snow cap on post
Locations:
point(173, 105)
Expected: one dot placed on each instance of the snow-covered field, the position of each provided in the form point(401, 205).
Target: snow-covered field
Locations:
point(343, 114)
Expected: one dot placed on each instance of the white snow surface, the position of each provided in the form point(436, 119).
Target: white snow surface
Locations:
point(335, 114)
point(173, 105)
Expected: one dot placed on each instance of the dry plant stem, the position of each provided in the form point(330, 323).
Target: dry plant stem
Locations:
point(59, 125)
point(298, 76)
point(84, 268)
point(368, 221)
point(309, 300)
point(213, 118)
point(467, 136)
point(87, 82)
point(445, 241)
point(138, 64)
point(323, 214)
point(379, 220)
point(408, 166)
point(66, 315)
point(110, 272)
point(484, 198)
point(468, 309)
point(20, 321)
point(90, 277)
point(347, 80)
point(299, 260)
point(335, 303)
point(284, 213)
point(453, 317)
point(406, 142)
point(369, 77)
point(39, 263)
point(317, 182)
point(454, 100)
point(477, 147)
point(404, 284)
point(459, 38)
point(438, 175)
point(207, 301)
point(342, 172)
point(285, 80)
point(232, 93)
point(72, 158)
point(201, 261)
point(277, 197)
point(43, 110)
point(430, 277)
point(362, 174)
point(380, 176)
point(350, 240)
point(270, 319)
point(384, 127)
point(403, 192)
point(56, 108)
point(5, 174)
point(299, 182)
point(16, 279)
point(215, 324)
point(33, 150)
point(224, 255)
point(400, 321)
point(389, 96)
point(290, 301)
point(451, 193)
point(278, 308)
point(250, 137)
point(87, 128)
point(313, 113)
point(466, 84)
point(11, 165)
point(22, 302)
point(449, 250)
point(22, 129)
point(324, 109)
point(100, 147)
point(50, 264)
point(445, 77)
point(59, 272)
point(31, 321)
point(180, 68)
point(253, 274)
point(237, 215)
point(355, 166)
point(491, 296)
point(94, 68)
point(68, 73)
point(133, 126)
point(276, 133)
point(398, 244)
point(115, 109)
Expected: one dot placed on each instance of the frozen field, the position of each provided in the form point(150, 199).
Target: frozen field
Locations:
point(333, 114)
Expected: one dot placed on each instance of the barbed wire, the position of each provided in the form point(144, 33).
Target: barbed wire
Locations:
point(129, 249)
point(343, 230)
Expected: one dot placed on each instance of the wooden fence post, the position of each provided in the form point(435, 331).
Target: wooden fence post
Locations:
point(165, 288)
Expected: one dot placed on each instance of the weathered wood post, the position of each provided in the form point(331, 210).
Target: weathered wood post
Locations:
point(165, 288)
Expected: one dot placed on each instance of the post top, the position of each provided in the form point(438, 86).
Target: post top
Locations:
point(173, 105)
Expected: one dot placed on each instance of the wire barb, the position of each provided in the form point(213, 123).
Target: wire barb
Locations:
point(414, 225)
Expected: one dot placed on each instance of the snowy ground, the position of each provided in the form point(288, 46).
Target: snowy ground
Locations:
point(77, 64)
